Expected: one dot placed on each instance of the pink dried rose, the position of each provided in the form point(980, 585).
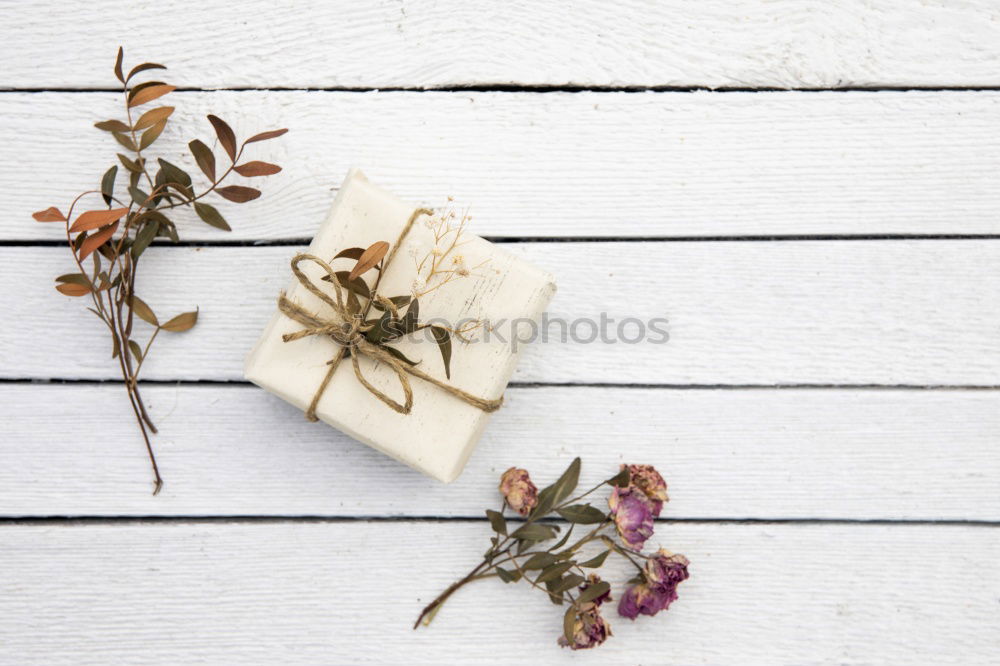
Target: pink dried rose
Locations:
point(664, 572)
point(633, 515)
point(517, 488)
point(648, 481)
point(589, 629)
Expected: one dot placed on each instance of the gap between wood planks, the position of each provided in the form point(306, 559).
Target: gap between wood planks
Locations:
point(265, 519)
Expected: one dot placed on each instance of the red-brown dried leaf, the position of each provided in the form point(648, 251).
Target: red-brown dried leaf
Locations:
point(91, 243)
point(150, 93)
point(72, 289)
point(238, 193)
point(264, 136)
point(368, 259)
point(50, 214)
point(226, 135)
point(257, 168)
point(94, 219)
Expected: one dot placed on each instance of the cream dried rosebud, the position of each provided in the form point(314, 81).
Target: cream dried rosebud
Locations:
point(517, 488)
point(648, 481)
point(589, 629)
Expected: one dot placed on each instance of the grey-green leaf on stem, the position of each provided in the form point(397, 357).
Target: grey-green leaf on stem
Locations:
point(583, 514)
point(554, 571)
point(135, 349)
point(569, 625)
point(129, 164)
point(209, 215)
point(205, 158)
point(443, 339)
point(108, 184)
point(534, 532)
point(557, 599)
point(539, 561)
point(412, 317)
point(497, 522)
point(358, 286)
point(596, 561)
point(558, 491)
point(238, 193)
point(621, 479)
point(569, 582)
point(143, 311)
point(593, 591)
point(173, 173)
point(398, 354)
point(144, 237)
point(504, 575)
point(138, 196)
point(226, 135)
point(181, 322)
point(112, 126)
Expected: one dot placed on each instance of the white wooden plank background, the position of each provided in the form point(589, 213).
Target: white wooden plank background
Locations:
point(826, 374)
point(581, 164)
point(316, 44)
point(349, 592)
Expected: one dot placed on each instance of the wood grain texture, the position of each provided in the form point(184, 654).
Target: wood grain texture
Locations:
point(349, 592)
point(790, 43)
point(879, 312)
point(235, 450)
point(557, 164)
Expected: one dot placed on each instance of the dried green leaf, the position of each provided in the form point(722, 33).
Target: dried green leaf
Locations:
point(554, 571)
point(497, 522)
point(209, 215)
point(621, 479)
point(108, 184)
point(226, 135)
point(556, 599)
point(569, 582)
point(539, 561)
point(125, 140)
point(238, 193)
point(412, 318)
point(143, 311)
point(534, 532)
point(257, 168)
point(135, 350)
point(398, 354)
point(442, 337)
point(94, 219)
point(593, 591)
point(174, 174)
point(140, 198)
point(506, 576)
point(205, 158)
point(369, 259)
point(150, 135)
point(584, 514)
point(181, 322)
point(115, 349)
point(91, 243)
point(147, 93)
point(50, 214)
point(359, 286)
point(112, 126)
point(596, 561)
point(558, 491)
point(569, 625)
point(153, 116)
point(264, 136)
point(118, 64)
point(144, 237)
point(129, 164)
point(142, 68)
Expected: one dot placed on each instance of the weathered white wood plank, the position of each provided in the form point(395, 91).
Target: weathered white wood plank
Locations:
point(874, 312)
point(235, 450)
point(791, 43)
point(585, 164)
point(349, 592)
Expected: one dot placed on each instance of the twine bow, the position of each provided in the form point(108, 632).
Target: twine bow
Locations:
point(348, 329)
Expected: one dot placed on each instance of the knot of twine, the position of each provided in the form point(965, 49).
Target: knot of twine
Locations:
point(348, 329)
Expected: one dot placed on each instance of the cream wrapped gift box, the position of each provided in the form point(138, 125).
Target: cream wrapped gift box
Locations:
point(505, 295)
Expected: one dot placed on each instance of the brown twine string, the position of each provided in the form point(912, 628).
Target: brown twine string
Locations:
point(348, 331)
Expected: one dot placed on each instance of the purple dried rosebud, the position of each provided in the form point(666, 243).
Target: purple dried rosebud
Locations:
point(594, 579)
point(517, 488)
point(633, 516)
point(589, 629)
point(666, 570)
point(640, 599)
point(648, 481)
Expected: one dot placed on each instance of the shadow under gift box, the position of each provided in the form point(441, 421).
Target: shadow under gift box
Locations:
point(441, 430)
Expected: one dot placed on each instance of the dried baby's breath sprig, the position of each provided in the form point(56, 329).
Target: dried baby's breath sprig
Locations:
point(443, 263)
point(560, 570)
point(114, 238)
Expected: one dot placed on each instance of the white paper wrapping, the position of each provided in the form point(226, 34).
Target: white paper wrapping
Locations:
point(440, 432)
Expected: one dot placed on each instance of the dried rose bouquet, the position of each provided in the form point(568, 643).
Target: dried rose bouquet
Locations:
point(638, 493)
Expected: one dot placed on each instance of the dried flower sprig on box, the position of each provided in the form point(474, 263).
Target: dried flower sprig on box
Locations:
point(114, 248)
point(559, 570)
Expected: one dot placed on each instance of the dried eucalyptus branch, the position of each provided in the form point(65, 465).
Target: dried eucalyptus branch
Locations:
point(558, 571)
point(114, 248)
